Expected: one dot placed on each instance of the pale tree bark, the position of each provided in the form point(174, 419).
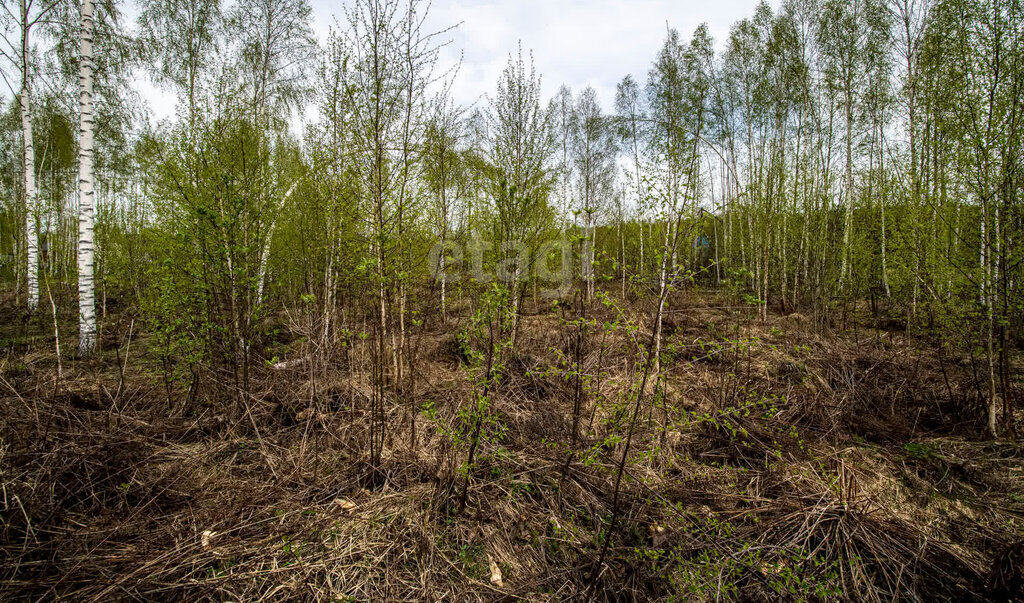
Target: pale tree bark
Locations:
point(265, 253)
point(848, 216)
point(881, 203)
point(32, 244)
point(86, 194)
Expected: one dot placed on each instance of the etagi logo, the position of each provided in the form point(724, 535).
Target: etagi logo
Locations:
point(551, 262)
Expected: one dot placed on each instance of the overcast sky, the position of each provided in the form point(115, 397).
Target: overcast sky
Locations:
point(575, 42)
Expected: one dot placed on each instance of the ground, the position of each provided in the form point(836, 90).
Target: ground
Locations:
point(778, 460)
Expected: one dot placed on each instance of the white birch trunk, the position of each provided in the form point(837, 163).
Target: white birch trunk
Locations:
point(31, 241)
point(86, 194)
point(265, 251)
point(881, 204)
point(848, 220)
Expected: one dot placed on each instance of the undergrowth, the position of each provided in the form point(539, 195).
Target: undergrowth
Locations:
point(770, 461)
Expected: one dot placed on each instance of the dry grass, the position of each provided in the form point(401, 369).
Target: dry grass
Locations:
point(780, 464)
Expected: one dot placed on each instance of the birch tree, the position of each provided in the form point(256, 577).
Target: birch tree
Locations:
point(182, 36)
point(973, 49)
point(444, 177)
point(563, 125)
point(519, 180)
point(594, 156)
point(275, 51)
point(848, 30)
point(672, 146)
point(86, 194)
point(630, 117)
point(32, 245)
point(385, 68)
point(17, 51)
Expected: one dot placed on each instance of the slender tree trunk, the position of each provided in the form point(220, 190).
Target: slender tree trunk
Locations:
point(590, 257)
point(265, 251)
point(622, 247)
point(848, 220)
point(86, 194)
point(444, 278)
point(31, 240)
point(882, 190)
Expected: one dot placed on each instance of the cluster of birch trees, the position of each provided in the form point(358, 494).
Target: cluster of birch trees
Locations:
point(827, 152)
point(73, 27)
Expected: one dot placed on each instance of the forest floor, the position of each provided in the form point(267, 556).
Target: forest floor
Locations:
point(783, 461)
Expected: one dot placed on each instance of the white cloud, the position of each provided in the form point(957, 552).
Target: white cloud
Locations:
point(574, 42)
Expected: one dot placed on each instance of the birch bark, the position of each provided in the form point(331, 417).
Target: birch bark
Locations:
point(31, 241)
point(86, 193)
